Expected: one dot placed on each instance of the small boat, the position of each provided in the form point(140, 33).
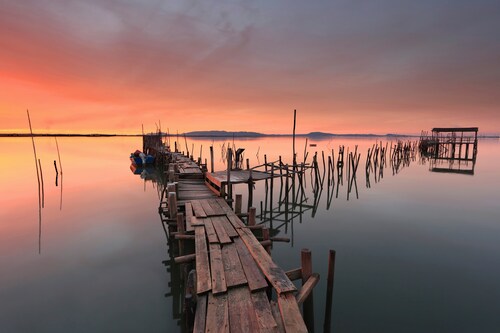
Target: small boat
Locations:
point(138, 158)
point(312, 145)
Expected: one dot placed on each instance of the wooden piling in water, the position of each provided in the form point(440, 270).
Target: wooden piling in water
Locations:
point(329, 292)
point(308, 307)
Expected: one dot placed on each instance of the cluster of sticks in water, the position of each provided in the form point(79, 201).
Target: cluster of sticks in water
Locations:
point(294, 182)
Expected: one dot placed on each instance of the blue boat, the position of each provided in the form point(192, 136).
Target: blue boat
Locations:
point(139, 159)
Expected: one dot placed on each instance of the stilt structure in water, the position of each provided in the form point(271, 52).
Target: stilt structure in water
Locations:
point(451, 150)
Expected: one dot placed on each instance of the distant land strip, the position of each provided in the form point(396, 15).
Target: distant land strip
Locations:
point(224, 134)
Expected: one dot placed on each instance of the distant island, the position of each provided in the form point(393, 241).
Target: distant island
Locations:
point(223, 134)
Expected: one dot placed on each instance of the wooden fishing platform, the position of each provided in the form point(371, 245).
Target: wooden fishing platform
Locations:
point(218, 181)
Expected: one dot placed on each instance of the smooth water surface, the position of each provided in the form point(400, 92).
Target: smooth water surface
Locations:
point(417, 251)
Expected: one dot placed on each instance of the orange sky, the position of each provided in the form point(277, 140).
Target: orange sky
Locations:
point(107, 67)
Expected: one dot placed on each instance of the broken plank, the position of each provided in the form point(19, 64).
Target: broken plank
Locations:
point(217, 270)
point(273, 272)
point(233, 269)
point(242, 316)
point(256, 280)
point(220, 230)
point(217, 314)
point(290, 313)
point(263, 311)
point(203, 279)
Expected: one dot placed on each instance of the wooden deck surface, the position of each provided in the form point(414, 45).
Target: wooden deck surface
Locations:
point(233, 270)
point(233, 273)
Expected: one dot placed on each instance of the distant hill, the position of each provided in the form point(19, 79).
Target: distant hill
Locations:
point(245, 134)
point(224, 134)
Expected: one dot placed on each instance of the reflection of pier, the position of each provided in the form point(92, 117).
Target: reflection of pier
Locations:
point(451, 150)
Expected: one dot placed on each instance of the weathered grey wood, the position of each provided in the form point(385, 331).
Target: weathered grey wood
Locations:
point(242, 316)
point(231, 232)
point(217, 270)
point(201, 314)
point(198, 209)
point(217, 314)
point(220, 230)
point(274, 274)
point(290, 314)
point(277, 316)
point(210, 230)
point(203, 278)
point(256, 280)
point(209, 211)
point(263, 312)
point(189, 217)
point(307, 288)
point(233, 269)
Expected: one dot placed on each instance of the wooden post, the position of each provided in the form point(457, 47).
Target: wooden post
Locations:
point(329, 292)
point(228, 183)
point(212, 159)
point(251, 216)
point(237, 205)
point(306, 263)
point(248, 164)
point(181, 230)
point(250, 189)
point(293, 143)
point(265, 236)
point(172, 205)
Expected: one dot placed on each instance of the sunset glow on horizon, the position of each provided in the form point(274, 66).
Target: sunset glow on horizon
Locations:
point(370, 67)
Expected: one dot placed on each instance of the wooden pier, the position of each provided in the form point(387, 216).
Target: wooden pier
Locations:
point(238, 287)
point(451, 150)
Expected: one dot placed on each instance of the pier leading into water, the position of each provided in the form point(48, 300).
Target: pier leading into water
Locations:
point(234, 285)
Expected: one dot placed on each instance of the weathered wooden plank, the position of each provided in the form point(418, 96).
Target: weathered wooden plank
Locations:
point(217, 269)
point(231, 232)
point(242, 318)
point(273, 272)
point(263, 311)
point(189, 217)
point(255, 278)
point(203, 279)
point(220, 230)
point(233, 270)
point(217, 314)
point(290, 313)
point(207, 208)
point(211, 233)
point(277, 316)
point(231, 216)
point(197, 221)
point(198, 210)
point(200, 316)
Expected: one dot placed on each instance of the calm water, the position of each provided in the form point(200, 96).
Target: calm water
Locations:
point(416, 252)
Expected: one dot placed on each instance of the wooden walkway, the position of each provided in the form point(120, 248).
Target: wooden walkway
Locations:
point(234, 272)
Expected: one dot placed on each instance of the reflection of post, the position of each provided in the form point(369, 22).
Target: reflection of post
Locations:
point(306, 263)
point(329, 292)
